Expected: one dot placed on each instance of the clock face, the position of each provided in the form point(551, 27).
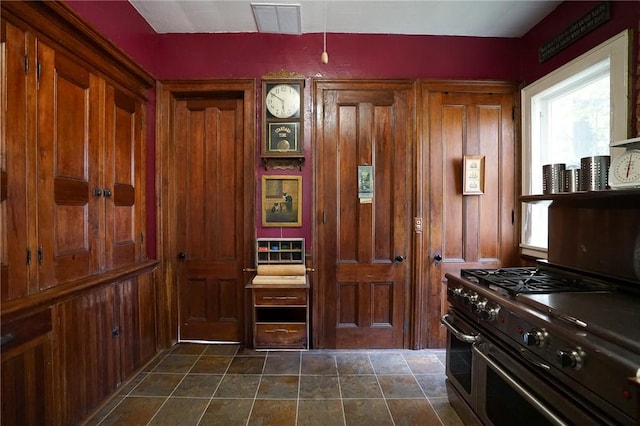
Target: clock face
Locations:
point(625, 170)
point(283, 101)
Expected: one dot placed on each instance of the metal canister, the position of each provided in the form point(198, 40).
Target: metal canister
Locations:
point(595, 172)
point(571, 179)
point(552, 182)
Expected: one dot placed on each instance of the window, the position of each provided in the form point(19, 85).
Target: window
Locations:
point(574, 112)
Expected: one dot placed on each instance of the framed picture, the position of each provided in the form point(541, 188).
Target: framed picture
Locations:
point(473, 175)
point(282, 201)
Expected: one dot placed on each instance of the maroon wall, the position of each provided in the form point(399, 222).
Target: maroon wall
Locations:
point(251, 55)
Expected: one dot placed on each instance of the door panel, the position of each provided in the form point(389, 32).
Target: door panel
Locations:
point(470, 231)
point(210, 216)
point(364, 289)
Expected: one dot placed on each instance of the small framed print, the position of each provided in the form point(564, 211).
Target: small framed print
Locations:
point(282, 201)
point(473, 175)
point(283, 138)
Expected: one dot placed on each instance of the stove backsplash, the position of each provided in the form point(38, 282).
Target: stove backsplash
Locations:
point(600, 236)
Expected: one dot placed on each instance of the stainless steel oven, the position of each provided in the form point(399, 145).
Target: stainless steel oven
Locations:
point(491, 384)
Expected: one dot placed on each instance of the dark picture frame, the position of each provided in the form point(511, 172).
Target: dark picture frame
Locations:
point(282, 201)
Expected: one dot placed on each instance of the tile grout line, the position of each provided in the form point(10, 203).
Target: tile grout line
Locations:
point(178, 384)
point(211, 398)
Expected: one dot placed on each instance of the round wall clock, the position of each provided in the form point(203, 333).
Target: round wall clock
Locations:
point(283, 101)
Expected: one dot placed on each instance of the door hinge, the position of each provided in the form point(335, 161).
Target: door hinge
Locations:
point(39, 71)
point(28, 257)
point(324, 217)
point(513, 217)
point(142, 238)
point(26, 64)
point(40, 254)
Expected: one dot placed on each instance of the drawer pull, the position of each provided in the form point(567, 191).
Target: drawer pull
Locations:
point(6, 338)
point(279, 297)
point(280, 330)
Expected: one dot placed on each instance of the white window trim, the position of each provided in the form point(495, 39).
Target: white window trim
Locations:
point(617, 50)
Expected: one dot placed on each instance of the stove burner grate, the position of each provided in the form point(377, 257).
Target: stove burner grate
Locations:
point(528, 280)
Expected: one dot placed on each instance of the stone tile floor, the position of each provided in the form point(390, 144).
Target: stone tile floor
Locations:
point(200, 384)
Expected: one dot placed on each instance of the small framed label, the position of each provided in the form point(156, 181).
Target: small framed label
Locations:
point(473, 175)
point(365, 184)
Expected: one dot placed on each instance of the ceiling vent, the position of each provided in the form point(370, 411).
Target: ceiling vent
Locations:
point(277, 18)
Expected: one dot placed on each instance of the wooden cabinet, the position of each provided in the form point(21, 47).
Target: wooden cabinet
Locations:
point(76, 291)
point(76, 195)
point(281, 316)
point(105, 336)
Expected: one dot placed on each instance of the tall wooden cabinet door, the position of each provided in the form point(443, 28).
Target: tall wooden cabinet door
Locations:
point(123, 178)
point(467, 231)
point(365, 200)
point(88, 352)
point(69, 109)
point(17, 151)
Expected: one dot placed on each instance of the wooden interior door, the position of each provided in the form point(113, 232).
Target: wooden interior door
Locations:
point(209, 176)
point(363, 242)
point(467, 231)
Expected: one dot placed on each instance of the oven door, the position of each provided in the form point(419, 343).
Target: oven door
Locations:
point(510, 393)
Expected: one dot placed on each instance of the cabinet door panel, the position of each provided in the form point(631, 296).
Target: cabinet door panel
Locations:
point(88, 352)
point(68, 158)
point(17, 144)
point(122, 155)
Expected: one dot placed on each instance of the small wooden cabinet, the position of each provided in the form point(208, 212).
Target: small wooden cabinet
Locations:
point(280, 303)
point(280, 316)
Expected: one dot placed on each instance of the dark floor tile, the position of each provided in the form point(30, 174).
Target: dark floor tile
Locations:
point(229, 349)
point(212, 365)
point(238, 386)
point(246, 365)
point(156, 360)
point(273, 387)
point(412, 412)
point(267, 412)
point(319, 387)
point(403, 386)
point(426, 364)
point(319, 365)
point(433, 385)
point(227, 412)
point(133, 411)
point(354, 364)
point(180, 411)
point(198, 385)
point(188, 349)
point(360, 386)
point(389, 364)
point(366, 412)
point(175, 364)
point(320, 412)
point(157, 384)
point(129, 386)
point(282, 364)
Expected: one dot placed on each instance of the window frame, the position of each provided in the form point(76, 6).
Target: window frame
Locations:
point(617, 50)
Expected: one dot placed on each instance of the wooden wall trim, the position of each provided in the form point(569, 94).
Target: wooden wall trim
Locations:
point(24, 305)
point(65, 30)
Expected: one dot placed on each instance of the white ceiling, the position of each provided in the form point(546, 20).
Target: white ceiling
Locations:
point(481, 18)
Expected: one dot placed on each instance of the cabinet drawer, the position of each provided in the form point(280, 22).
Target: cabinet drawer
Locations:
point(20, 331)
point(281, 335)
point(280, 296)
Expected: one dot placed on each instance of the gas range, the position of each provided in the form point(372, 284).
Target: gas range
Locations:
point(576, 332)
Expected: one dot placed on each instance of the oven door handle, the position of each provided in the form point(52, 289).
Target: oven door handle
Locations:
point(447, 321)
point(518, 388)
point(527, 357)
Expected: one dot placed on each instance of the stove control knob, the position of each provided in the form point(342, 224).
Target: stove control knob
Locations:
point(570, 358)
point(490, 311)
point(469, 298)
point(536, 337)
point(479, 306)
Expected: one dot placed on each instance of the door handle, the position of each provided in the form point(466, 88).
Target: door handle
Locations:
point(182, 256)
point(400, 258)
point(437, 258)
